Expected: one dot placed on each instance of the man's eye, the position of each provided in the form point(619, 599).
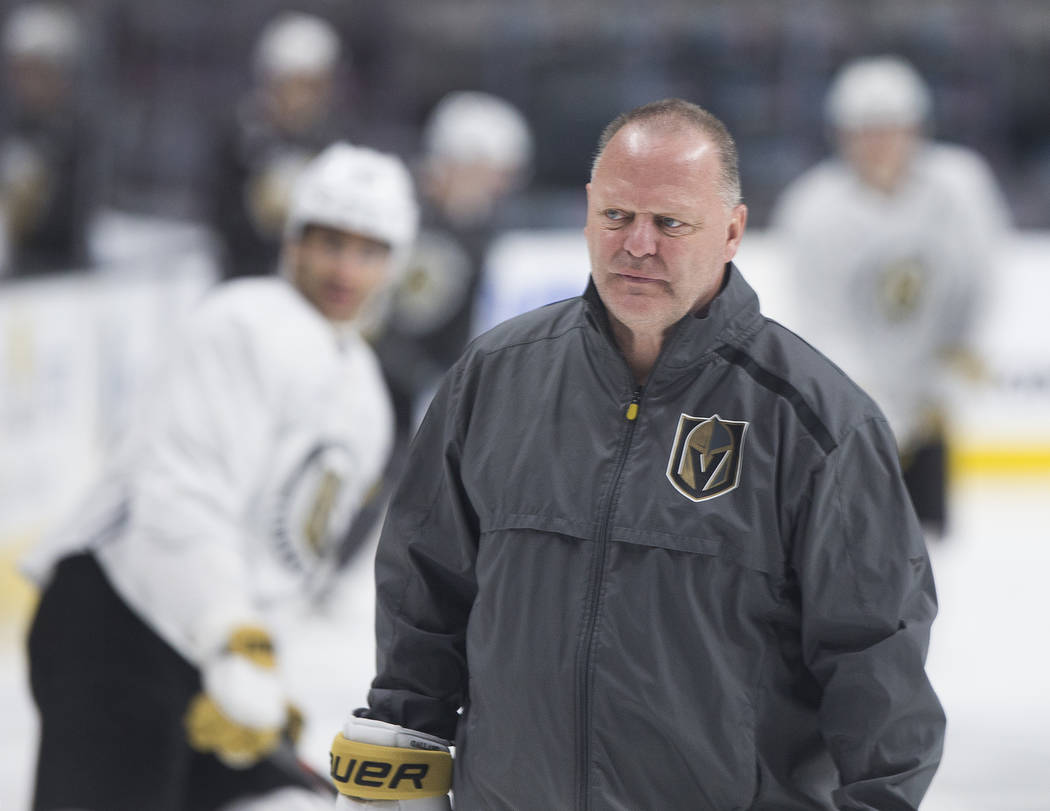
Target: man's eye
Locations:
point(614, 214)
point(670, 222)
point(331, 241)
point(375, 250)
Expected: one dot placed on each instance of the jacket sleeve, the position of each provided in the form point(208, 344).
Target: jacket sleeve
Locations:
point(868, 601)
point(425, 582)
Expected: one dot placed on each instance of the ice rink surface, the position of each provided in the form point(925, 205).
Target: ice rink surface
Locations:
point(989, 657)
point(990, 651)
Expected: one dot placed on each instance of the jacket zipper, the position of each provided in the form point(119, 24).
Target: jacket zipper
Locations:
point(583, 713)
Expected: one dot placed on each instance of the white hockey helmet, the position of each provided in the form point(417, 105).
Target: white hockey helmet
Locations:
point(356, 189)
point(45, 31)
point(295, 43)
point(468, 126)
point(877, 91)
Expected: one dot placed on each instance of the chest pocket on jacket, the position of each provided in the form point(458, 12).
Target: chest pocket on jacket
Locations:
point(735, 521)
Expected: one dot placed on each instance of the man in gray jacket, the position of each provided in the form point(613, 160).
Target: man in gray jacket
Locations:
point(651, 550)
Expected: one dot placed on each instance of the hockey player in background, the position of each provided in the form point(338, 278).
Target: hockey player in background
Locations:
point(477, 150)
point(48, 151)
point(650, 549)
point(286, 119)
point(893, 243)
point(151, 662)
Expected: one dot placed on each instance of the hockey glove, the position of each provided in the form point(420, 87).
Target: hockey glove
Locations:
point(242, 713)
point(383, 767)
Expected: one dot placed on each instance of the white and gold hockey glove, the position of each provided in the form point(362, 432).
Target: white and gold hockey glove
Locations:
point(384, 767)
point(241, 714)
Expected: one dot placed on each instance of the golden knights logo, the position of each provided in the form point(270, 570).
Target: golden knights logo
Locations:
point(901, 285)
point(705, 459)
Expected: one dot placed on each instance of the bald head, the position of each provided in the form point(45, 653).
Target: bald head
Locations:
point(670, 116)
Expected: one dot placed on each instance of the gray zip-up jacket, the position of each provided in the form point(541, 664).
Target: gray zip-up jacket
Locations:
point(709, 592)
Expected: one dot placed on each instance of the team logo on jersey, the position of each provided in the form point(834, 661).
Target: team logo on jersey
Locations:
point(311, 505)
point(705, 459)
point(901, 285)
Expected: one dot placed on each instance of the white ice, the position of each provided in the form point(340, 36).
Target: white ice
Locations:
point(989, 658)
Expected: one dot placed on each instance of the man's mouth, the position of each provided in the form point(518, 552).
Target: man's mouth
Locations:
point(631, 277)
point(339, 293)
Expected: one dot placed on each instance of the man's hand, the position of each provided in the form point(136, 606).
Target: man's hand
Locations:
point(383, 767)
point(242, 713)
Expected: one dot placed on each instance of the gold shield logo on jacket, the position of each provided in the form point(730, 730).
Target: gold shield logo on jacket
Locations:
point(705, 459)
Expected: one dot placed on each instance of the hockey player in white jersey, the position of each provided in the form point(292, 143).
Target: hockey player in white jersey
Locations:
point(151, 662)
point(893, 243)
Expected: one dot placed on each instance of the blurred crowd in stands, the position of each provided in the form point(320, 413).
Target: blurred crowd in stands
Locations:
point(165, 109)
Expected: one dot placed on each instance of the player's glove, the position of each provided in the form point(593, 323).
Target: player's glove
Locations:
point(383, 767)
point(241, 714)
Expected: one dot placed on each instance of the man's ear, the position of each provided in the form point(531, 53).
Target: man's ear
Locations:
point(735, 230)
point(587, 191)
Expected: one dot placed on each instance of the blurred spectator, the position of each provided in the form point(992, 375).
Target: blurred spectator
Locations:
point(287, 118)
point(47, 148)
point(477, 151)
point(894, 242)
point(225, 509)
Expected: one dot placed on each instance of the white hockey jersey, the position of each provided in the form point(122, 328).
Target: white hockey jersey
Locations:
point(265, 433)
point(887, 285)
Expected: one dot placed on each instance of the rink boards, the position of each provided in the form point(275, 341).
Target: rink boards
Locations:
point(1001, 425)
point(73, 349)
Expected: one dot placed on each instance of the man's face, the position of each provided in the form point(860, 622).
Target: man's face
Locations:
point(468, 191)
point(336, 270)
point(298, 101)
point(658, 231)
point(880, 155)
point(41, 87)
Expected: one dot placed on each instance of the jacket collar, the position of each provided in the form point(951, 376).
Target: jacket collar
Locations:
point(732, 313)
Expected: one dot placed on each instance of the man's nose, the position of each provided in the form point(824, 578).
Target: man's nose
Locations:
point(351, 258)
point(344, 265)
point(640, 239)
